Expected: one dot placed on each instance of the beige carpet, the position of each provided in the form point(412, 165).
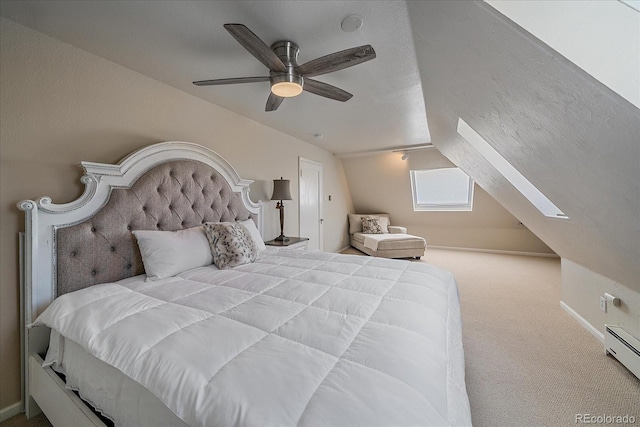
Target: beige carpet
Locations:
point(22, 421)
point(528, 363)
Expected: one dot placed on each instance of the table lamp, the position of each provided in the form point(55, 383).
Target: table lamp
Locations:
point(281, 192)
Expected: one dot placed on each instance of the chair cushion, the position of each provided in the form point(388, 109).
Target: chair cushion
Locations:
point(410, 242)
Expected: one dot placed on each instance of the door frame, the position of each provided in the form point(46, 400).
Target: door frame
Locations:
point(301, 162)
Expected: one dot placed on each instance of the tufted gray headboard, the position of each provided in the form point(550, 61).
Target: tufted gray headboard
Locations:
point(171, 196)
point(166, 186)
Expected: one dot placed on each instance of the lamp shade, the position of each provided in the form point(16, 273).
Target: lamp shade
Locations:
point(281, 190)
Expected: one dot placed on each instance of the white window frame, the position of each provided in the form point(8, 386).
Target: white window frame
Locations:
point(429, 207)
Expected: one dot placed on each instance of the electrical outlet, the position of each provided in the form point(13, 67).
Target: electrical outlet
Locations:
point(603, 304)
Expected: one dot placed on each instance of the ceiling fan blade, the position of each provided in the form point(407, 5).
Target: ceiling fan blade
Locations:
point(255, 46)
point(337, 61)
point(231, 81)
point(326, 90)
point(273, 102)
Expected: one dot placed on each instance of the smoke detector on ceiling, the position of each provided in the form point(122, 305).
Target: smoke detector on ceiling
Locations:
point(351, 23)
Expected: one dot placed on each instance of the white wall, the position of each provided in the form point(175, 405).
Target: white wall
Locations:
point(61, 105)
point(600, 36)
point(582, 289)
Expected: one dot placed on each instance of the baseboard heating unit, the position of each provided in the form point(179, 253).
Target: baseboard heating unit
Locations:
point(624, 347)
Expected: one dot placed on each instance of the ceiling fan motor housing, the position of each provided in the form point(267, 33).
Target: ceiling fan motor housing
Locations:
point(288, 83)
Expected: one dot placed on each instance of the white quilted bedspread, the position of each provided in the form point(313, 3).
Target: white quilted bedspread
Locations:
point(296, 338)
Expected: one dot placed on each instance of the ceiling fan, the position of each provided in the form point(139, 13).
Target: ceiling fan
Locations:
point(287, 78)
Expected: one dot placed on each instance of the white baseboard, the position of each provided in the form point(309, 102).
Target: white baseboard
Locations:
point(493, 251)
point(10, 411)
point(583, 322)
point(339, 251)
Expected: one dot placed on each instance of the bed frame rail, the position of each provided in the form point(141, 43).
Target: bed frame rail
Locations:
point(61, 405)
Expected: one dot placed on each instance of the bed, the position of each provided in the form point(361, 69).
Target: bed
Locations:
point(290, 338)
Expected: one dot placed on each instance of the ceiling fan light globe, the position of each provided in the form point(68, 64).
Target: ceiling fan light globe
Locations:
point(286, 85)
point(286, 89)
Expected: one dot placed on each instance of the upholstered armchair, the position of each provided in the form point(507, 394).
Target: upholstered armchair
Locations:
point(374, 235)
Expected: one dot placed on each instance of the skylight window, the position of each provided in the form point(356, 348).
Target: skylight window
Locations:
point(447, 189)
point(522, 184)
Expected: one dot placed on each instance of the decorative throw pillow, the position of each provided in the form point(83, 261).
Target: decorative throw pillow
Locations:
point(384, 223)
point(254, 233)
point(371, 225)
point(167, 253)
point(355, 222)
point(230, 243)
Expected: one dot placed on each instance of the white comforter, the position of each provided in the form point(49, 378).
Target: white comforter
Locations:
point(296, 338)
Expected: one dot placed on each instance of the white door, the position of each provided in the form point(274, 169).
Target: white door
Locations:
point(310, 187)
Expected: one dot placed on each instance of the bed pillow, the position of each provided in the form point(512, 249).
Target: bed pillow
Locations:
point(230, 243)
point(254, 234)
point(167, 253)
point(371, 225)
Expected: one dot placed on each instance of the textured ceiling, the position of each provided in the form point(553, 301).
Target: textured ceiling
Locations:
point(177, 42)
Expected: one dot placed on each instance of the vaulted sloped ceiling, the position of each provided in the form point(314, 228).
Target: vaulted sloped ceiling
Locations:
point(572, 137)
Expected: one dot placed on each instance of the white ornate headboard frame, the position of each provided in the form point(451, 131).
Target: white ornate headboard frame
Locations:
point(44, 219)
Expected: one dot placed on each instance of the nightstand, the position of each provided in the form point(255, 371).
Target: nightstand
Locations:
point(292, 243)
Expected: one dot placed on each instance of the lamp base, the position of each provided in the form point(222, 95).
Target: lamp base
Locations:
point(281, 238)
